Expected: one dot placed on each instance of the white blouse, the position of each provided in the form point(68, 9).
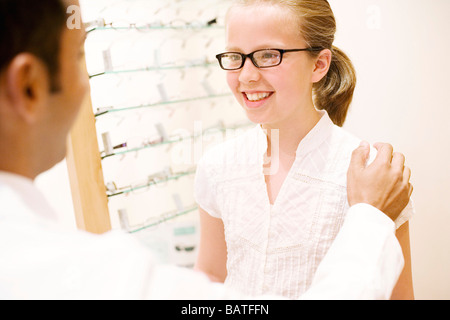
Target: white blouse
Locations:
point(277, 249)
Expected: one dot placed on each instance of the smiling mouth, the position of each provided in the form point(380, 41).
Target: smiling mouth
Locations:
point(255, 97)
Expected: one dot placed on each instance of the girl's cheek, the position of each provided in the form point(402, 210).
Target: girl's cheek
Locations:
point(232, 80)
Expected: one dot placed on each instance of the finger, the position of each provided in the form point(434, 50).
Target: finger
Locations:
point(360, 156)
point(406, 174)
point(378, 145)
point(384, 154)
point(411, 189)
point(398, 160)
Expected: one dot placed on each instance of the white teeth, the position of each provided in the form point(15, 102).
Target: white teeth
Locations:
point(257, 96)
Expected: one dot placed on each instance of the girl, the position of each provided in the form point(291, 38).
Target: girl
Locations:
point(273, 199)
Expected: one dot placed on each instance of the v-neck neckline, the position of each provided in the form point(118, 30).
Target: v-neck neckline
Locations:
point(282, 187)
point(312, 140)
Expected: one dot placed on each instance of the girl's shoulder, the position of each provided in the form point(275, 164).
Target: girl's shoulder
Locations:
point(331, 159)
point(348, 142)
point(345, 140)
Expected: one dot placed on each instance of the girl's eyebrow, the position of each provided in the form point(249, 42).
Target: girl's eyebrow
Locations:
point(232, 49)
point(260, 47)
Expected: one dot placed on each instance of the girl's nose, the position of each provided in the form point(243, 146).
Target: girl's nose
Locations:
point(249, 73)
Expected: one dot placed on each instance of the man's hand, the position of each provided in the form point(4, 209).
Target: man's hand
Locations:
point(383, 184)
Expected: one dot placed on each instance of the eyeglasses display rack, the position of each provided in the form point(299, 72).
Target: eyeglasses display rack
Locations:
point(158, 101)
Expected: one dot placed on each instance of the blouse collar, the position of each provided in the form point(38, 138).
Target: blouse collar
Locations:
point(311, 141)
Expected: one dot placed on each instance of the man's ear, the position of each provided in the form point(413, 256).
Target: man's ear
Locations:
point(27, 86)
point(321, 65)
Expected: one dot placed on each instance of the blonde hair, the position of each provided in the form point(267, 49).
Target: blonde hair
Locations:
point(317, 26)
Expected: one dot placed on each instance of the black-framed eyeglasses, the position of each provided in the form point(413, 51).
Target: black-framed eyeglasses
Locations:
point(264, 58)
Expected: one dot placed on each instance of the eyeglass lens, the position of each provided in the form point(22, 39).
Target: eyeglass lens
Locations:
point(261, 58)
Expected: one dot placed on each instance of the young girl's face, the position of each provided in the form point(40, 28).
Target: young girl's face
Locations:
point(270, 96)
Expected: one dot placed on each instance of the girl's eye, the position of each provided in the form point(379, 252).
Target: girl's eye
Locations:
point(268, 55)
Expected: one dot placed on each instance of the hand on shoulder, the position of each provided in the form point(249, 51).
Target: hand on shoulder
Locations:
point(384, 184)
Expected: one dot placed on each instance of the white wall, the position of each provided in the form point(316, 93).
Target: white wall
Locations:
point(399, 48)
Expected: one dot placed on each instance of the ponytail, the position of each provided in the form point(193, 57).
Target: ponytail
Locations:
point(334, 93)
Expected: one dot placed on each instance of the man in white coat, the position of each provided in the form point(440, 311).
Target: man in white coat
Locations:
point(41, 89)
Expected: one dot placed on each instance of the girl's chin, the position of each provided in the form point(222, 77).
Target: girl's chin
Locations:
point(256, 117)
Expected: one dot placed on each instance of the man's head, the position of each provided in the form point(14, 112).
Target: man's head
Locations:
point(34, 27)
point(42, 83)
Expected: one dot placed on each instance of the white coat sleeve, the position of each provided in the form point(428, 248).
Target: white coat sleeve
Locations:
point(364, 262)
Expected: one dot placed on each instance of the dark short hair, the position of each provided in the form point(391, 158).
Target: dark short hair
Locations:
point(33, 27)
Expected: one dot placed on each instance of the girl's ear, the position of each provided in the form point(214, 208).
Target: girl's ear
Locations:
point(321, 65)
